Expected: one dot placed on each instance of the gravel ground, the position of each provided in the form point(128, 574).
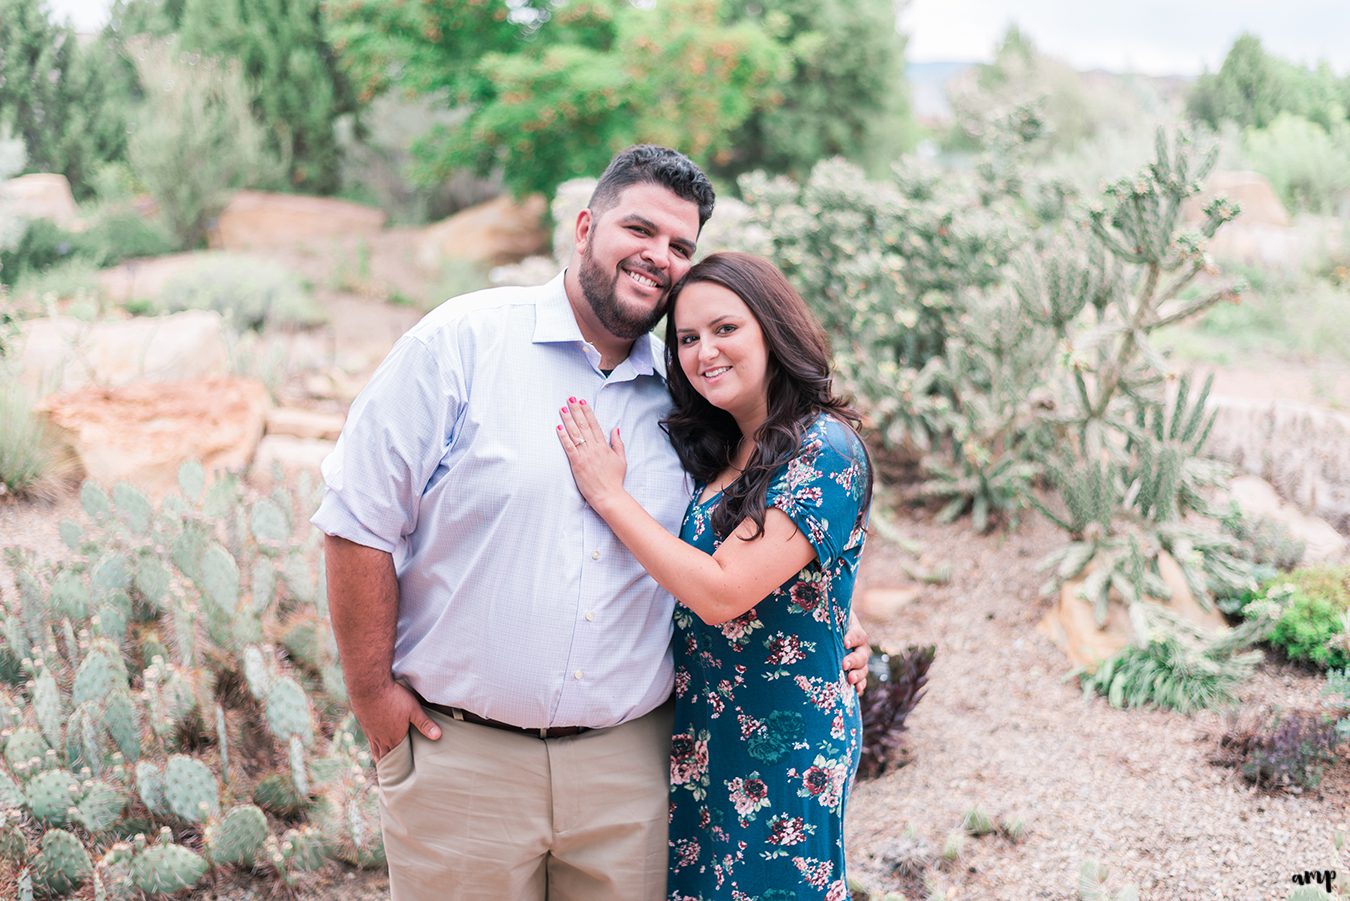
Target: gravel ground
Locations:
point(1002, 728)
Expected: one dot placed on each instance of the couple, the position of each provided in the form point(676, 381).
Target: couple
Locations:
point(501, 596)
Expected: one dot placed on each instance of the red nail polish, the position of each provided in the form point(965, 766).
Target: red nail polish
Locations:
point(583, 401)
point(560, 428)
point(571, 400)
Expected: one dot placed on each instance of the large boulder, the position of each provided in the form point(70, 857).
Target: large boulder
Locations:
point(144, 432)
point(491, 234)
point(259, 220)
point(1300, 449)
point(1258, 500)
point(62, 354)
point(40, 196)
point(1072, 625)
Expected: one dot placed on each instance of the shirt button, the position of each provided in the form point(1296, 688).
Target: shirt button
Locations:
point(577, 674)
point(590, 616)
point(595, 555)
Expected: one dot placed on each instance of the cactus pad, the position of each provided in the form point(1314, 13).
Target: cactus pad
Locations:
point(150, 786)
point(269, 522)
point(48, 707)
point(13, 845)
point(304, 849)
point(277, 793)
point(62, 864)
point(69, 595)
point(288, 714)
point(132, 507)
point(100, 674)
point(166, 868)
point(26, 752)
point(219, 580)
point(100, 807)
point(191, 789)
point(123, 722)
point(52, 795)
point(239, 837)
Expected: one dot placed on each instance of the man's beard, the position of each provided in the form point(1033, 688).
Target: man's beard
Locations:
point(601, 295)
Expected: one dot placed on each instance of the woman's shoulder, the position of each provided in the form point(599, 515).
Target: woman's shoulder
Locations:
point(828, 436)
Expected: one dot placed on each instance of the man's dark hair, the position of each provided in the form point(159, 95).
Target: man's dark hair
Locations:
point(649, 164)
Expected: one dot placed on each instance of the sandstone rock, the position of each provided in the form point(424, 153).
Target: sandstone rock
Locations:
point(1072, 625)
point(145, 279)
point(1258, 499)
point(287, 455)
point(1301, 450)
point(62, 354)
point(885, 603)
point(300, 423)
point(40, 196)
point(491, 234)
point(256, 219)
point(142, 433)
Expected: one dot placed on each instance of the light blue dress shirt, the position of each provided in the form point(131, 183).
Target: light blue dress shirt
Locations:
point(516, 600)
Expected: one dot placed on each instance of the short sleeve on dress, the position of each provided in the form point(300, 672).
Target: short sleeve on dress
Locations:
point(821, 488)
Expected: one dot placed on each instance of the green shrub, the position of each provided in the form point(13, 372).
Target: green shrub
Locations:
point(1307, 629)
point(195, 140)
point(1313, 608)
point(25, 462)
point(122, 234)
point(42, 245)
point(1307, 164)
point(250, 292)
point(73, 278)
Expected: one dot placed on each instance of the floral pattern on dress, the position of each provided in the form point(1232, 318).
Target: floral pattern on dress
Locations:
point(767, 730)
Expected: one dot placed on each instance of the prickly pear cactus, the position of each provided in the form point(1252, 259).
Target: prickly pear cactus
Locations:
point(101, 807)
point(26, 752)
point(150, 784)
point(239, 837)
point(13, 845)
point(167, 868)
point(51, 796)
point(62, 864)
point(288, 713)
point(191, 789)
point(276, 793)
point(102, 672)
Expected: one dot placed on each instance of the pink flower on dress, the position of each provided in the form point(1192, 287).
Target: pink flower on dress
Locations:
point(688, 758)
point(787, 830)
point(785, 650)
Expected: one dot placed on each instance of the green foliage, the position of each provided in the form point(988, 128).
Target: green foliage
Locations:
point(133, 654)
point(1311, 628)
point(291, 72)
point(62, 865)
point(552, 92)
point(1093, 885)
point(1178, 667)
point(194, 139)
point(1307, 164)
point(55, 96)
point(1253, 88)
point(26, 466)
point(249, 292)
point(852, 105)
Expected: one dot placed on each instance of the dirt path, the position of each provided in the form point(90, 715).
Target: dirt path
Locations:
point(1001, 728)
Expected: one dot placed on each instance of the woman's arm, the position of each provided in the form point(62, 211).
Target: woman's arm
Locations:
point(717, 588)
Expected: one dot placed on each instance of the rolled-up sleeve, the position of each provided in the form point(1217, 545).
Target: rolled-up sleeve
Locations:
point(396, 434)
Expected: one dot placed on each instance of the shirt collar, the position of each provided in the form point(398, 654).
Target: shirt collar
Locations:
point(555, 322)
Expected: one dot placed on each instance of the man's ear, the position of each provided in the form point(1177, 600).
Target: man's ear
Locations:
point(585, 224)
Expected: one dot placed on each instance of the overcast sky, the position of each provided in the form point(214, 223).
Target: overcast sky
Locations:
point(1154, 36)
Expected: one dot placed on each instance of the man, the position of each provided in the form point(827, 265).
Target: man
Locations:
point(507, 658)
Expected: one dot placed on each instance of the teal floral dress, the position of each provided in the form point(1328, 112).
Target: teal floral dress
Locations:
point(767, 730)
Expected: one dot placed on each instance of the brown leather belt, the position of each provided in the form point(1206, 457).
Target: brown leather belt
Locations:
point(469, 717)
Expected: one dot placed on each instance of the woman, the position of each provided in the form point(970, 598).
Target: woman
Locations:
point(767, 733)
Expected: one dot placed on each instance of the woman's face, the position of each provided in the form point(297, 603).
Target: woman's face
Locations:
point(722, 352)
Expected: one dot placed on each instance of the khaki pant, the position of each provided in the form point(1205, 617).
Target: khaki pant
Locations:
point(483, 813)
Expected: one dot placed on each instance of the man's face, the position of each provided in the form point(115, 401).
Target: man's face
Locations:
point(631, 255)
